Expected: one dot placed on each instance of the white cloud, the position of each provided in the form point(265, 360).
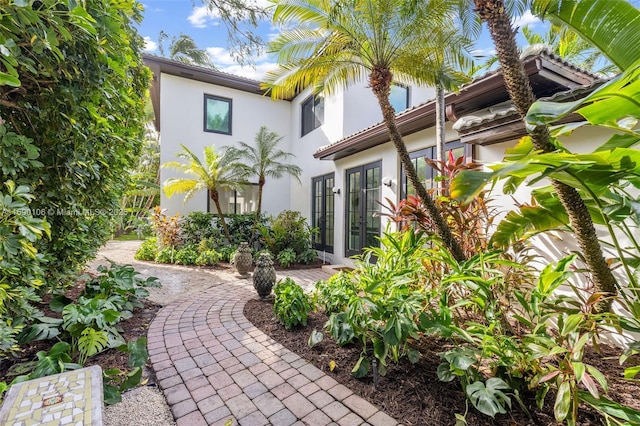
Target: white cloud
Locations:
point(483, 52)
point(254, 73)
point(201, 15)
point(150, 45)
point(224, 62)
point(526, 19)
point(220, 56)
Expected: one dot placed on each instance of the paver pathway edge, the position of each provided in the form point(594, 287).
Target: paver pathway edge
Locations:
point(214, 366)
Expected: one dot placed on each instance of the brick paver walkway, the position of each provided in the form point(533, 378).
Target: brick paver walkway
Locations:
point(214, 366)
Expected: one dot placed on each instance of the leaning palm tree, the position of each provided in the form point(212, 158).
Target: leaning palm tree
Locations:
point(265, 160)
point(184, 49)
point(218, 172)
point(591, 17)
point(335, 44)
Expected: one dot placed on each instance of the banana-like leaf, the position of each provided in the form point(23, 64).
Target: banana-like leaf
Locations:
point(613, 26)
point(591, 173)
point(530, 220)
point(619, 141)
point(610, 408)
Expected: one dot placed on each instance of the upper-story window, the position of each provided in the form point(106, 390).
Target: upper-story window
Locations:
point(217, 114)
point(399, 97)
point(312, 113)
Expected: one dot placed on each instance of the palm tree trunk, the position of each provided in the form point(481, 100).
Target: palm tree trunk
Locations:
point(493, 13)
point(215, 196)
point(380, 82)
point(261, 182)
point(440, 137)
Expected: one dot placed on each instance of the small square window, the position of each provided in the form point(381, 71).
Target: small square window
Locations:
point(217, 114)
point(399, 97)
point(312, 113)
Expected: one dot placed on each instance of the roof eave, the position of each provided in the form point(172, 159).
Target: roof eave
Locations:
point(551, 70)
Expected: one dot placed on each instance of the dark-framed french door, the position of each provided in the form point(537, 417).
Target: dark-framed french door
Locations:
point(361, 204)
point(323, 211)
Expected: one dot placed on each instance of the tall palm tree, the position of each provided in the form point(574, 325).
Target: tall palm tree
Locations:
point(218, 172)
point(184, 49)
point(335, 44)
point(496, 15)
point(265, 160)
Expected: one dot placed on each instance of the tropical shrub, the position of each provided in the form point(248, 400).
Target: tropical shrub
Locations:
point(89, 326)
point(335, 294)
point(166, 255)
point(307, 257)
point(384, 306)
point(115, 381)
point(241, 225)
point(291, 304)
point(288, 231)
point(122, 285)
point(77, 65)
point(147, 250)
point(226, 253)
point(56, 360)
point(22, 271)
point(167, 229)
point(470, 221)
point(186, 255)
point(198, 226)
point(286, 257)
point(207, 258)
point(212, 243)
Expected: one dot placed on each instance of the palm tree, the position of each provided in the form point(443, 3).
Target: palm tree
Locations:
point(184, 49)
point(335, 44)
point(265, 160)
point(496, 15)
point(570, 47)
point(218, 172)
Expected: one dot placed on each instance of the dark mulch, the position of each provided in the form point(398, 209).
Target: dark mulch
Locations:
point(413, 394)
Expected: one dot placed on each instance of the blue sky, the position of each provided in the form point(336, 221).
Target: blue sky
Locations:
point(192, 18)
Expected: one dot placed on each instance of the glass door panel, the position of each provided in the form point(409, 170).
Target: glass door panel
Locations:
point(363, 194)
point(323, 212)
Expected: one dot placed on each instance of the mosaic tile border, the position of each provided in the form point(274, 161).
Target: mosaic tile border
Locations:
point(71, 398)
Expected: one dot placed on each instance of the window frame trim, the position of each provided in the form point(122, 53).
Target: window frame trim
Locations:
point(323, 246)
point(408, 89)
point(347, 208)
point(468, 153)
point(311, 98)
point(223, 99)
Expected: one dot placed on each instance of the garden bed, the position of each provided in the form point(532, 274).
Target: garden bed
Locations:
point(413, 394)
point(132, 329)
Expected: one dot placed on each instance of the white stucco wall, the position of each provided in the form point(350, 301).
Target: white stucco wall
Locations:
point(361, 108)
point(182, 118)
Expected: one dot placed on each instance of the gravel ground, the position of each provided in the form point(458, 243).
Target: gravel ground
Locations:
point(146, 405)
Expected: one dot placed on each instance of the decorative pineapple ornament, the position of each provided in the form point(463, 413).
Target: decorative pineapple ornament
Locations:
point(264, 275)
point(242, 260)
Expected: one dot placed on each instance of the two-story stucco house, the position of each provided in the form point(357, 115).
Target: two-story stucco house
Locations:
point(348, 162)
